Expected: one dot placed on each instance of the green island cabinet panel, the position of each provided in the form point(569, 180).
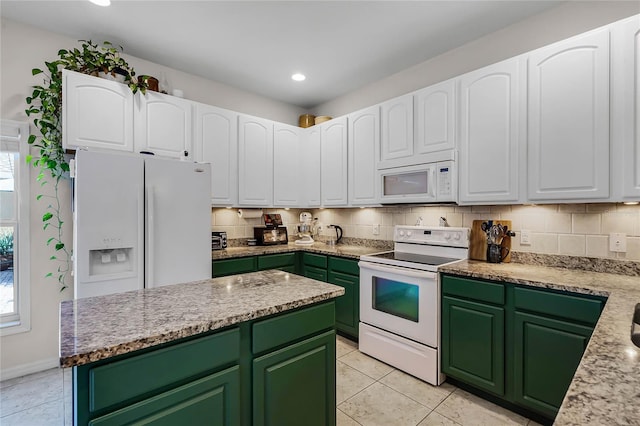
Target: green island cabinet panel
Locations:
point(313, 259)
point(315, 273)
point(282, 261)
point(296, 384)
point(215, 398)
point(241, 265)
point(347, 305)
point(473, 343)
point(547, 354)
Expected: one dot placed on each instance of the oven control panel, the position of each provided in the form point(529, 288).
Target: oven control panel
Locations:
point(433, 235)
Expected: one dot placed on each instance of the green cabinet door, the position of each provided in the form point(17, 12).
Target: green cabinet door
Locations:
point(296, 385)
point(315, 273)
point(348, 305)
point(215, 398)
point(282, 261)
point(473, 343)
point(224, 267)
point(547, 354)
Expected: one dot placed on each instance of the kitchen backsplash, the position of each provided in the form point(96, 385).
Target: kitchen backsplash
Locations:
point(567, 229)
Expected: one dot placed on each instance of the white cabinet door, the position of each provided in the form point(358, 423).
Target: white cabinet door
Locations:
point(310, 157)
point(568, 143)
point(255, 162)
point(396, 118)
point(364, 143)
point(217, 143)
point(625, 109)
point(96, 113)
point(434, 118)
point(163, 125)
point(287, 185)
point(490, 133)
point(333, 162)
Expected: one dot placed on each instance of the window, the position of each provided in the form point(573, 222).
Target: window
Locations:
point(14, 228)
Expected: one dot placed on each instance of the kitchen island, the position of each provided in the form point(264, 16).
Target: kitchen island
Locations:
point(606, 384)
point(238, 349)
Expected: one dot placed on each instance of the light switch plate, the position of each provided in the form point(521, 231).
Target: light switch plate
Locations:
point(525, 237)
point(618, 242)
point(376, 229)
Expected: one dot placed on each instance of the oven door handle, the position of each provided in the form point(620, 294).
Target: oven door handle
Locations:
point(413, 273)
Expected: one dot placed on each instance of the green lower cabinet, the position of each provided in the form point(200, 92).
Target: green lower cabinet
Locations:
point(242, 265)
point(296, 384)
point(215, 398)
point(315, 273)
point(282, 261)
point(348, 305)
point(547, 353)
point(473, 343)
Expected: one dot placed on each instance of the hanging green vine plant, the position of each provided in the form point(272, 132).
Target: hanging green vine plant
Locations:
point(45, 105)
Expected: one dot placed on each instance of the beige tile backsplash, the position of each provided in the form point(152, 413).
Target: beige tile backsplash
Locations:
point(568, 229)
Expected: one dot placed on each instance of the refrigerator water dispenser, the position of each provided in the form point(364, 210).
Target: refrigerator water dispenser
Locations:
point(110, 262)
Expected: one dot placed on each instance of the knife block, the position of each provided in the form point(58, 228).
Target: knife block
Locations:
point(478, 241)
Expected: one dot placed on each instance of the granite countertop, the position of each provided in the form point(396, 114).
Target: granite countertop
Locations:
point(341, 250)
point(101, 327)
point(606, 386)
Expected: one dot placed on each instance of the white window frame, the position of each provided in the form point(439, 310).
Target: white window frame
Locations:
point(13, 137)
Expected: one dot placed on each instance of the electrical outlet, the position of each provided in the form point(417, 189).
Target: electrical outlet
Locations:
point(618, 242)
point(525, 237)
point(376, 229)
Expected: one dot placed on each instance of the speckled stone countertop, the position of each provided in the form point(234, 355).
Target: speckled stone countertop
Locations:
point(606, 386)
point(101, 327)
point(342, 250)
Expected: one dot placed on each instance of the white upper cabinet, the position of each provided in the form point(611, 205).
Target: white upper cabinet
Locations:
point(310, 158)
point(97, 113)
point(333, 162)
point(491, 133)
point(568, 119)
point(163, 125)
point(217, 143)
point(364, 143)
point(625, 109)
point(287, 185)
point(255, 161)
point(396, 124)
point(434, 118)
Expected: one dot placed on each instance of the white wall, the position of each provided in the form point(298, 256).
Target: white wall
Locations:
point(22, 48)
point(564, 21)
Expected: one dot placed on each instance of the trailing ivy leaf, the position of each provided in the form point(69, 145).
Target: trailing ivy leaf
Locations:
point(46, 225)
point(59, 246)
point(53, 258)
point(64, 166)
point(50, 274)
point(47, 216)
point(36, 71)
point(28, 158)
point(49, 240)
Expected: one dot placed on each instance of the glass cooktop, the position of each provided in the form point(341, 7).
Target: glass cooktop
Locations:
point(414, 258)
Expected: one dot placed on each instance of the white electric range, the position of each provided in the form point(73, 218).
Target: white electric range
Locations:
point(400, 298)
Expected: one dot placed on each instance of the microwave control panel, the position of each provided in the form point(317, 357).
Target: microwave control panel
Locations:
point(445, 180)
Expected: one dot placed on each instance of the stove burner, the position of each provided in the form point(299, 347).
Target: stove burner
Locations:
point(415, 258)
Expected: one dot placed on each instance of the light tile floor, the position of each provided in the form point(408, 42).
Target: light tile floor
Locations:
point(369, 393)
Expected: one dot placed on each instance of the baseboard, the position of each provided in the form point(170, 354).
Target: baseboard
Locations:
point(30, 368)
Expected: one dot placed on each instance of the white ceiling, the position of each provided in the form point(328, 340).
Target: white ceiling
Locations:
point(257, 45)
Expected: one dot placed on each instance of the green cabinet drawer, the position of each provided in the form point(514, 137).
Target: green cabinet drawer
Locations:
point(240, 265)
point(276, 261)
point(142, 375)
point(296, 384)
point(483, 291)
point(312, 259)
point(473, 343)
point(346, 266)
point(215, 398)
point(547, 354)
point(568, 306)
point(347, 305)
point(315, 273)
point(274, 332)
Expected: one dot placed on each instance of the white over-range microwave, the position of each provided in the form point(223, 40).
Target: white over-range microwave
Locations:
point(421, 183)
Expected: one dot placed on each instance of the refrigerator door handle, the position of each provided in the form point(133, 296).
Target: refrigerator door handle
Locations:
point(150, 235)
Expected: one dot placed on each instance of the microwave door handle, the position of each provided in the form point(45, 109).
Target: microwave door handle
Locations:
point(392, 269)
point(432, 188)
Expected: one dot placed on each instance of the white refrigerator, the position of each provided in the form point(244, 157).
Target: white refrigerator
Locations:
point(139, 222)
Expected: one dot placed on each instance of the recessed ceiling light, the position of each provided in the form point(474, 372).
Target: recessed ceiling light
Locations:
point(101, 2)
point(298, 77)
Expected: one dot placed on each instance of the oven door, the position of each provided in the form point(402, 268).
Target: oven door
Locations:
point(400, 300)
